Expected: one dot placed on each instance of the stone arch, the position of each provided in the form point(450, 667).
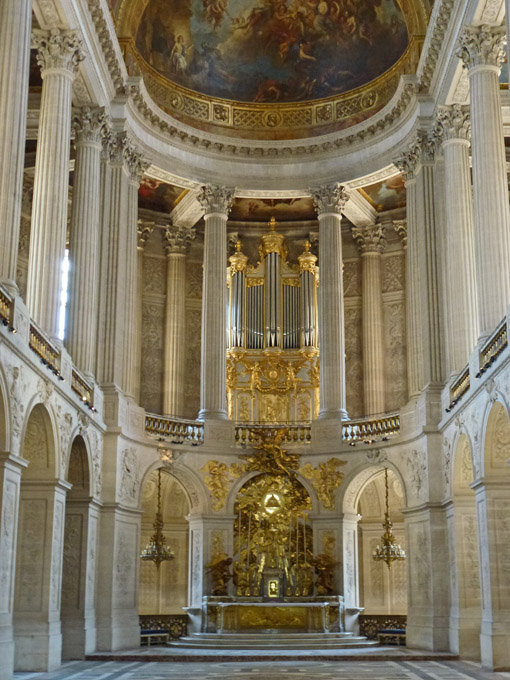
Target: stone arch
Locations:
point(78, 564)
point(496, 443)
point(39, 443)
point(197, 494)
point(5, 435)
point(163, 591)
point(367, 583)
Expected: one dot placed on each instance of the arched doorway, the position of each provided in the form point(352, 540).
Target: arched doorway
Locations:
point(492, 495)
point(78, 573)
point(163, 591)
point(465, 607)
point(37, 630)
point(383, 590)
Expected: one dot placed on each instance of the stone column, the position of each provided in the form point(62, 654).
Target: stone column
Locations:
point(145, 229)
point(454, 128)
point(136, 167)
point(329, 202)
point(81, 323)
point(370, 241)
point(178, 240)
point(481, 49)
point(216, 201)
point(58, 54)
point(492, 509)
point(15, 25)
point(423, 295)
point(11, 467)
point(37, 630)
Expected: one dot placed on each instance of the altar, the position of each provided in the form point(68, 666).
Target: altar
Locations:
point(304, 614)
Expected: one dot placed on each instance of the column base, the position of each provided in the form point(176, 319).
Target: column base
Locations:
point(37, 652)
point(428, 632)
point(495, 644)
point(218, 432)
point(465, 636)
point(6, 653)
point(119, 634)
point(327, 431)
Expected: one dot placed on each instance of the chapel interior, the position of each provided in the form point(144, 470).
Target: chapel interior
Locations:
point(254, 319)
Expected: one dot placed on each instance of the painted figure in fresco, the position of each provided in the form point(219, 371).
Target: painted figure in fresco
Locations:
point(272, 50)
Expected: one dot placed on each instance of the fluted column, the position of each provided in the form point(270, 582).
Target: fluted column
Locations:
point(58, 54)
point(112, 264)
point(216, 202)
point(145, 229)
point(329, 202)
point(81, 335)
point(454, 128)
point(370, 241)
point(136, 166)
point(178, 240)
point(15, 26)
point(482, 51)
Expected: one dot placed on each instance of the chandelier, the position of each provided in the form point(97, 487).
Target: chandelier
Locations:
point(156, 550)
point(389, 550)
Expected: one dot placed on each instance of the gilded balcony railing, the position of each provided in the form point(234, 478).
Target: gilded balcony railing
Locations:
point(44, 348)
point(82, 388)
point(5, 308)
point(494, 346)
point(371, 429)
point(176, 429)
point(296, 433)
point(460, 386)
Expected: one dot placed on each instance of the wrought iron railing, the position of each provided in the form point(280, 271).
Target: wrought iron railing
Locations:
point(177, 430)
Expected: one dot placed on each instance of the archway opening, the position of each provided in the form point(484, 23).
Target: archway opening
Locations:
point(37, 632)
point(80, 531)
point(163, 591)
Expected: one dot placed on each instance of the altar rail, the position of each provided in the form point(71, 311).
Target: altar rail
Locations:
point(178, 429)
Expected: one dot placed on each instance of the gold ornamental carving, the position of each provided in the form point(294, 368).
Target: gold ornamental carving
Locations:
point(325, 478)
point(238, 260)
point(271, 457)
point(272, 242)
point(219, 566)
point(307, 260)
point(218, 478)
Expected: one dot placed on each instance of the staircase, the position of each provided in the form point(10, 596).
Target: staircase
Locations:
point(275, 640)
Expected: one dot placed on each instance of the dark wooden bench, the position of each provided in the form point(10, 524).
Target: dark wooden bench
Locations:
point(392, 636)
point(155, 635)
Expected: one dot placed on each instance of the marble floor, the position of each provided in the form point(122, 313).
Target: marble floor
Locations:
point(275, 670)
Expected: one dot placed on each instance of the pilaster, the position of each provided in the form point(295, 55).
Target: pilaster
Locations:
point(145, 229)
point(371, 242)
point(178, 240)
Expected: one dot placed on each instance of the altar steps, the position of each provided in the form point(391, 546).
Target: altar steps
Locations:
point(272, 640)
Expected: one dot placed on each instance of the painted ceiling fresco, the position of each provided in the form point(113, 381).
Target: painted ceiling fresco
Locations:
point(282, 209)
point(271, 50)
point(386, 195)
point(159, 196)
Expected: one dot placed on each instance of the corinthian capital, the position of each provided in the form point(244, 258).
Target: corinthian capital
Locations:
point(400, 227)
point(482, 46)
point(144, 229)
point(370, 238)
point(421, 150)
point(89, 125)
point(178, 239)
point(136, 164)
point(57, 49)
point(453, 122)
point(329, 199)
point(216, 199)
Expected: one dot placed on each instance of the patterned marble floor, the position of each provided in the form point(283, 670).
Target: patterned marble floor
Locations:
point(275, 670)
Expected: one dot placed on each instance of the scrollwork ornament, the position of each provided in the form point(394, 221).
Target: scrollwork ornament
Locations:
point(330, 199)
point(178, 239)
point(482, 46)
point(453, 122)
point(216, 199)
point(144, 229)
point(325, 478)
point(370, 238)
point(58, 49)
point(400, 227)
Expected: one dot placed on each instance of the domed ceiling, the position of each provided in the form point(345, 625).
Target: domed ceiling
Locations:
point(271, 68)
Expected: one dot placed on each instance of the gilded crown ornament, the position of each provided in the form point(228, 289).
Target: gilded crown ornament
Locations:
point(307, 260)
point(238, 260)
point(273, 242)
